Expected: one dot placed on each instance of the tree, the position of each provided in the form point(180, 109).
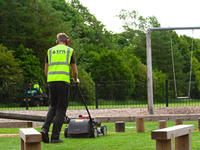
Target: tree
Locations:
point(132, 20)
point(11, 76)
point(30, 64)
point(139, 71)
point(116, 79)
point(87, 85)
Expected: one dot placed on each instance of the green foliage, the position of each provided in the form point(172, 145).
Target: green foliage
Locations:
point(132, 20)
point(196, 69)
point(117, 62)
point(30, 64)
point(108, 68)
point(11, 77)
point(87, 86)
point(159, 85)
point(139, 71)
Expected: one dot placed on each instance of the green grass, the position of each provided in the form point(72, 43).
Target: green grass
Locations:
point(130, 140)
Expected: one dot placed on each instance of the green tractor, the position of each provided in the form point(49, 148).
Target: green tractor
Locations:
point(34, 96)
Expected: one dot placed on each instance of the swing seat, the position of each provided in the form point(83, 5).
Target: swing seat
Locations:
point(184, 97)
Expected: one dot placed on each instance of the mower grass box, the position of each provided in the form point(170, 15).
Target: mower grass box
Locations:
point(79, 128)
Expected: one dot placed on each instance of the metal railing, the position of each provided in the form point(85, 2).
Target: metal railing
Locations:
point(121, 94)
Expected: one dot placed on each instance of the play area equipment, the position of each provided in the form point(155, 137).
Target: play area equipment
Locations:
point(140, 124)
point(149, 63)
point(30, 139)
point(85, 126)
point(119, 126)
point(174, 70)
point(181, 133)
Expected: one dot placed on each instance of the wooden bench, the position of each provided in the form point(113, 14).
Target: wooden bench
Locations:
point(16, 124)
point(30, 139)
point(164, 137)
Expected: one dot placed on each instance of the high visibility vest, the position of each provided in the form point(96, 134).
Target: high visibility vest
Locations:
point(37, 86)
point(59, 58)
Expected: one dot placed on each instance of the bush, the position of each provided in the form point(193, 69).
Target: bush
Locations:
point(116, 79)
point(159, 79)
point(139, 71)
point(11, 76)
point(30, 64)
point(87, 87)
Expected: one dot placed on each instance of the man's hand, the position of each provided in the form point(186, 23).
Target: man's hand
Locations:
point(76, 81)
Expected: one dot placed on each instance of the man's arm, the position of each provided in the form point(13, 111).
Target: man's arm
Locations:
point(74, 71)
point(46, 69)
point(46, 66)
point(74, 67)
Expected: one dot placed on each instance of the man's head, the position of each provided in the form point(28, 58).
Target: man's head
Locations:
point(62, 38)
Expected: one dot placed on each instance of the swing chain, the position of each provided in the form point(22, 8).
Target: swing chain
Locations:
point(173, 66)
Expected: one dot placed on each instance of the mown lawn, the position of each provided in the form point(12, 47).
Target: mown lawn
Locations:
point(130, 140)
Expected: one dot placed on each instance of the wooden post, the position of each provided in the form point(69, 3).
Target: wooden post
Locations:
point(149, 73)
point(119, 126)
point(199, 124)
point(183, 142)
point(162, 124)
point(180, 140)
point(179, 121)
point(164, 144)
point(140, 125)
point(22, 144)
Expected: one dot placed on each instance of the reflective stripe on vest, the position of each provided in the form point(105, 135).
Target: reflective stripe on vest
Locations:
point(58, 64)
point(59, 72)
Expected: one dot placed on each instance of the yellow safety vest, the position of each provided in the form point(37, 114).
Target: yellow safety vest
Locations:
point(37, 86)
point(59, 58)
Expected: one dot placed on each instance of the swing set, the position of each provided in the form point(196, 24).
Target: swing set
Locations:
point(174, 72)
point(149, 64)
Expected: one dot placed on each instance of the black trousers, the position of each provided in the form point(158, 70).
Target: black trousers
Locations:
point(58, 95)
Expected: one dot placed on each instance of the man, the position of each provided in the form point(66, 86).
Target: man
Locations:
point(57, 69)
point(37, 86)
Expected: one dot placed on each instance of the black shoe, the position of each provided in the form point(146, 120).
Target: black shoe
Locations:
point(45, 136)
point(57, 141)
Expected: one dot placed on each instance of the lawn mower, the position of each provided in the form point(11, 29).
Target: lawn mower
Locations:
point(84, 126)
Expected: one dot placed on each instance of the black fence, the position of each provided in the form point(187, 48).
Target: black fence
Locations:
point(122, 94)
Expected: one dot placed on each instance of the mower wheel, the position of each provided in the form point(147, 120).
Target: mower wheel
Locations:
point(95, 133)
point(36, 103)
point(104, 130)
point(66, 132)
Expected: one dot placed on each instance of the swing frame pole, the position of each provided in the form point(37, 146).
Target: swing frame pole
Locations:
point(149, 73)
point(149, 61)
point(173, 28)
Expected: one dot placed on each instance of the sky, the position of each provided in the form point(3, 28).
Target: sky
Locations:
point(170, 13)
